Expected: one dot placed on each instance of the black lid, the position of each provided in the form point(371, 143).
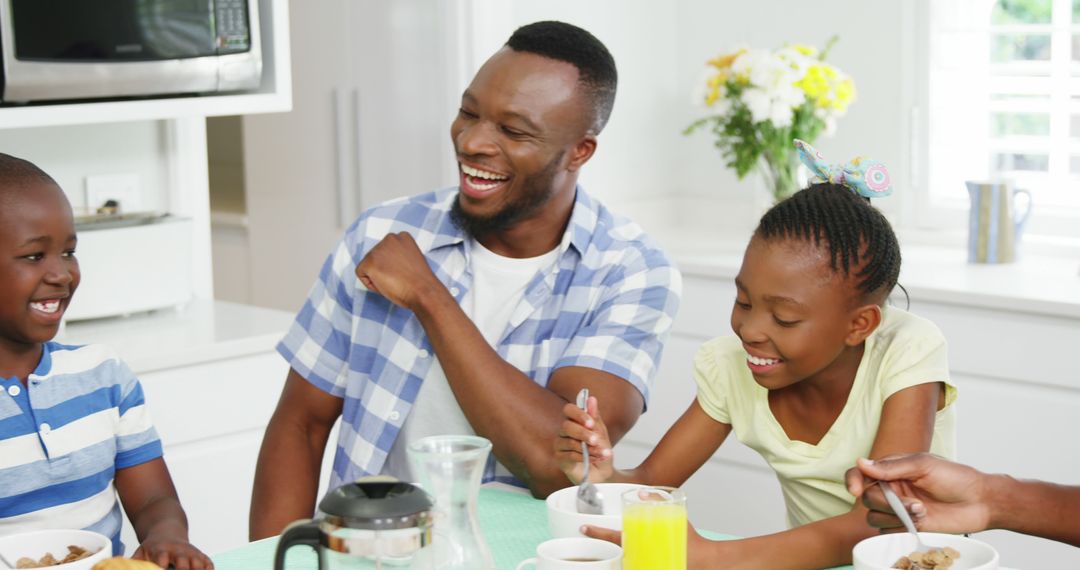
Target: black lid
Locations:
point(375, 498)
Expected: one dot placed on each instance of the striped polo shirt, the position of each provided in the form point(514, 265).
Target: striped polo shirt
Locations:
point(80, 417)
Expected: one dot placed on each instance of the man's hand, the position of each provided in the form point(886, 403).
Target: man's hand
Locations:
point(940, 495)
point(396, 269)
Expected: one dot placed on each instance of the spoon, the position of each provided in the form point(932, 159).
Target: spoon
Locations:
point(898, 508)
point(7, 563)
point(589, 500)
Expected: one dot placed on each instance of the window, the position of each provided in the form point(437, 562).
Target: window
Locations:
point(1003, 101)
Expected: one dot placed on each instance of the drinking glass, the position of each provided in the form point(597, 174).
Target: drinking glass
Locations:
point(654, 529)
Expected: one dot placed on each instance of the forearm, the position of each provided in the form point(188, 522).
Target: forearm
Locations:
point(162, 516)
point(1036, 508)
point(822, 544)
point(501, 403)
point(286, 479)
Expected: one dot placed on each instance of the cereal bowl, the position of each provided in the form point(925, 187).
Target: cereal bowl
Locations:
point(37, 543)
point(564, 520)
point(882, 551)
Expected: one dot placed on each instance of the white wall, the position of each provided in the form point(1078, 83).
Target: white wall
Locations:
point(71, 153)
point(644, 166)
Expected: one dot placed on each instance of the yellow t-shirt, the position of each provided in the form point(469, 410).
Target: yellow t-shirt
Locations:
point(904, 351)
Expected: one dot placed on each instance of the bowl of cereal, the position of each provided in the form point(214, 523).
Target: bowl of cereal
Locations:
point(948, 552)
point(564, 520)
point(62, 549)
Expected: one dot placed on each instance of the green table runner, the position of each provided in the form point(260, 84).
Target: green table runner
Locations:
point(513, 524)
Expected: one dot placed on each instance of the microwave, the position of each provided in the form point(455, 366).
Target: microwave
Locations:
point(85, 49)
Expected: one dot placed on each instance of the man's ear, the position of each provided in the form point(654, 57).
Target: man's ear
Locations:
point(582, 152)
point(864, 320)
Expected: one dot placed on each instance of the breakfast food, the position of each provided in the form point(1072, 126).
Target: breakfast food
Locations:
point(119, 563)
point(74, 553)
point(934, 559)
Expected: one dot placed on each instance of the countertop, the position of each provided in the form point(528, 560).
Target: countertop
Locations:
point(1034, 284)
point(202, 331)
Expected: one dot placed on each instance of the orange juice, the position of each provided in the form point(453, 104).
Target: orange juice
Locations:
point(654, 533)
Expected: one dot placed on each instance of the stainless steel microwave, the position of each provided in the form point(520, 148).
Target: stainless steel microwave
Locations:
point(85, 49)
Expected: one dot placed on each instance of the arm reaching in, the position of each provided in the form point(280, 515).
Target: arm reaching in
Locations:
point(944, 496)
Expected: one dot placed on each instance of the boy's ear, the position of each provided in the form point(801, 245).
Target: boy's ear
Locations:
point(864, 321)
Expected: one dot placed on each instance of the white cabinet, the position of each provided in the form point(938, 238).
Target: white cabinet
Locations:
point(212, 379)
point(1018, 396)
point(376, 86)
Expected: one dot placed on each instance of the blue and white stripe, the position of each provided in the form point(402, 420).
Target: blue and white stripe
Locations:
point(80, 417)
point(607, 303)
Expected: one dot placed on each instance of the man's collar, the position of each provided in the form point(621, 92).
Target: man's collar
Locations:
point(579, 231)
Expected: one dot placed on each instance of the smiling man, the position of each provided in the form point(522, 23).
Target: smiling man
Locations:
point(482, 308)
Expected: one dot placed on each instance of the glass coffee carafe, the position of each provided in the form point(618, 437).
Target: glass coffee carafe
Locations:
point(450, 468)
point(376, 523)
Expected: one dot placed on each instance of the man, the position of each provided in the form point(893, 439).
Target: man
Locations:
point(942, 496)
point(482, 308)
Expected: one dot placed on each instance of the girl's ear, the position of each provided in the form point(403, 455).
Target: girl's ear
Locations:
point(865, 321)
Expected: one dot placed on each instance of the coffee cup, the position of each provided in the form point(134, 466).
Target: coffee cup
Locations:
point(575, 553)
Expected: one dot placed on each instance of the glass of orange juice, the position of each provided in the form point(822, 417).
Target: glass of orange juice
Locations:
point(654, 529)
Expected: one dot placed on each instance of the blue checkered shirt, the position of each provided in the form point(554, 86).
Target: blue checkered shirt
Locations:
point(607, 303)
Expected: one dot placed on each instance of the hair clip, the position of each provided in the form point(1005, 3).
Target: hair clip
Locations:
point(867, 178)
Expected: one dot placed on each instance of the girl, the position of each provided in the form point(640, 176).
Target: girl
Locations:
point(818, 373)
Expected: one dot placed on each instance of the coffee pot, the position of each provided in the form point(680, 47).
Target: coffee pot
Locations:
point(373, 523)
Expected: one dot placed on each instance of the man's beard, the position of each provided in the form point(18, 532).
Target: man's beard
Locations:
point(535, 192)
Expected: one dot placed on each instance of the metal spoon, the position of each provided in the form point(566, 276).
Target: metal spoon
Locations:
point(898, 508)
point(589, 500)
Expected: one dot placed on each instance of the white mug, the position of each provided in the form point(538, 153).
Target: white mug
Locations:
point(576, 553)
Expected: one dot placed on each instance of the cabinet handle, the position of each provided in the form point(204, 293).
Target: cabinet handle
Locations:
point(344, 127)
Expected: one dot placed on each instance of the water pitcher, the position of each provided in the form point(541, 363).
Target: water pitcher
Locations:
point(450, 467)
point(994, 225)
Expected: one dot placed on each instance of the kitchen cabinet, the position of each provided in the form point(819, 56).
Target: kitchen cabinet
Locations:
point(1008, 328)
point(212, 379)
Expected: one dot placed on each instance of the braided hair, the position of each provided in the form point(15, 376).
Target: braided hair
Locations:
point(860, 240)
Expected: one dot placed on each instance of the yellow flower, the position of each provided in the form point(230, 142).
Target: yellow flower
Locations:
point(809, 51)
point(845, 93)
point(725, 61)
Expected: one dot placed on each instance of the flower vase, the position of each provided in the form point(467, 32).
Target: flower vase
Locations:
point(782, 176)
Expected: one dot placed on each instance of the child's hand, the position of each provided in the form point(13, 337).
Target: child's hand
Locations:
point(581, 426)
point(165, 551)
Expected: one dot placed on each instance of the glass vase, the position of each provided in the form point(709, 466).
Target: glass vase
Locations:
point(782, 175)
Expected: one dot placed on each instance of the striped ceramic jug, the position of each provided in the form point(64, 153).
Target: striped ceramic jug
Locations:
point(994, 226)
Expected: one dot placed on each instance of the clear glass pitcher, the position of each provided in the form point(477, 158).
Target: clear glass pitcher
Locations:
point(449, 468)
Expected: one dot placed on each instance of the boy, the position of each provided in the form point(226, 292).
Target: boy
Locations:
point(74, 430)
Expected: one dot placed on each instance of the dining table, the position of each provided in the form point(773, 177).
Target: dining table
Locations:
point(513, 523)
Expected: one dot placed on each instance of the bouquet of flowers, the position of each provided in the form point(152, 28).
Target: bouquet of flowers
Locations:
point(760, 101)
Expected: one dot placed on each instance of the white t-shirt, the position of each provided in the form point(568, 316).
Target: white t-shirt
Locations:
point(498, 286)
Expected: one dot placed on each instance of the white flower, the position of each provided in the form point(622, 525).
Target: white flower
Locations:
point(758, 102)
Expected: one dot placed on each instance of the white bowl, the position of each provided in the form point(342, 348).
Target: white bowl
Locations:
point(564, 520)
point(34, 544)
point(880, 552)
